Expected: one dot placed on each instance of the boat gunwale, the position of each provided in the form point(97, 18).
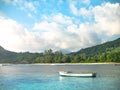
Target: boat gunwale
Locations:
point(77, 74)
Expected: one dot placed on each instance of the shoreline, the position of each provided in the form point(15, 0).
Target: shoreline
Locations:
point(105, 63)
point(72, 63)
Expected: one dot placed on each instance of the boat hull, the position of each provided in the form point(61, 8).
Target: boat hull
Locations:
point(0, 64)
point(70, 74)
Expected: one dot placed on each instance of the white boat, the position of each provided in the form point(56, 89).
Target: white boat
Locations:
point(0, 64)
point(77, 74)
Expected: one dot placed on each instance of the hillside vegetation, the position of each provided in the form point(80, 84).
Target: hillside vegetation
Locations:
point(107, 52)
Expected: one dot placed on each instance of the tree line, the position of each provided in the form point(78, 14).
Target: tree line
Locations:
point(107, 52)
point(57, 57)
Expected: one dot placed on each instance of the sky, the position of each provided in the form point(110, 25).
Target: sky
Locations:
point(38, 25)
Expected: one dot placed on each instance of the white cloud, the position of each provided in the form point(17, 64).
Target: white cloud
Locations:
point(62, 19)
point(15, 37)
point(79, 2)
point(74, 9)
point(61, 33)
point(85, 13)
point(86, 1)
point(58, 18)
point(24, 5)
point(30, 6)
point(78, 6)
point(58, 31)
point(82, 11)
point(106, 17)
point(52, 33)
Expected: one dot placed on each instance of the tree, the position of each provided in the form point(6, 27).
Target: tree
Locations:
point(66, 59)
point(58, 56)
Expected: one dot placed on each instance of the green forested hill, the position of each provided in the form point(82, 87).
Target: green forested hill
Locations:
point(106, 52)
point(6, 55)
point(100, 53)
point(13, 57)
point(99, 49)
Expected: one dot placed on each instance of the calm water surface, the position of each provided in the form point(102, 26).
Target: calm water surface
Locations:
point(45, 77)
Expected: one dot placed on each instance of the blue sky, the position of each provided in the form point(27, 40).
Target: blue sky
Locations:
point(37, 25)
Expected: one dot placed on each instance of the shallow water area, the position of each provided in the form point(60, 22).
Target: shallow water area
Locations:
point(46, 77)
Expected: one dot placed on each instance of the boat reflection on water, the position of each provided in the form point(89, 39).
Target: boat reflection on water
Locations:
point(61, 78)
point(76, 79)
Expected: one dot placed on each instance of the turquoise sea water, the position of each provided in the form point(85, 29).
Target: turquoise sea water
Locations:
point(46, 77)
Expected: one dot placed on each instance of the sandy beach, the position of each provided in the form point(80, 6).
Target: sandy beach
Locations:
point(6, 64)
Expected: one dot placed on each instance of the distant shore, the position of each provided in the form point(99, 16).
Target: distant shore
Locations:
point(2, 64)
point(74, 63)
